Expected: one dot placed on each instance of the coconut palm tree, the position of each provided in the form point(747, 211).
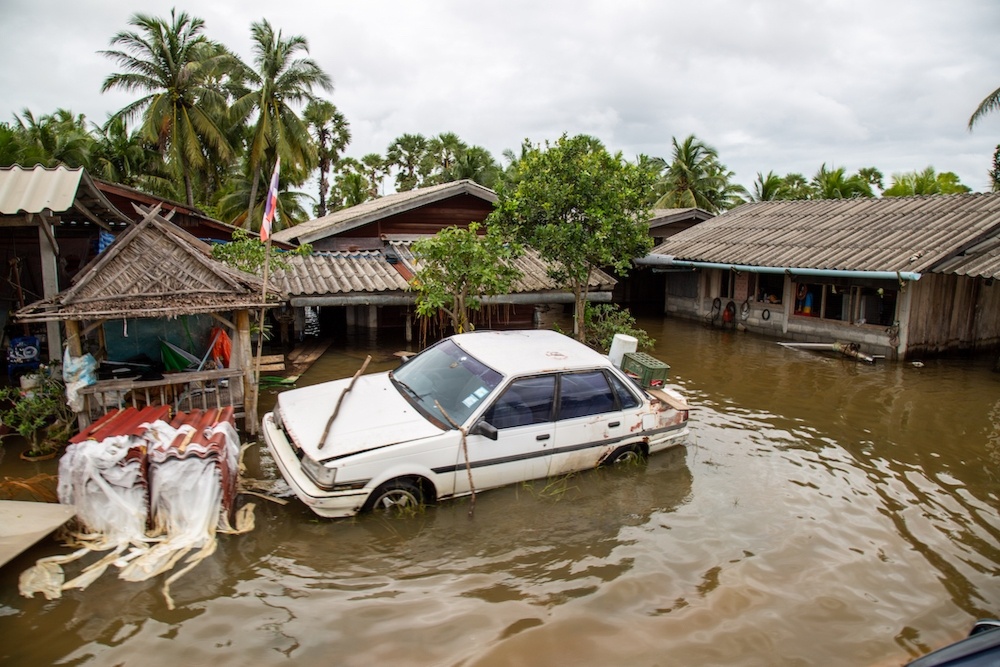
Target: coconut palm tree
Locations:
point(989, 104)
point(925, 182)
point(178, 69)
point(768, 188)
point(836, 184)
point(332, 133)
point(696, 179)
point(375, 169)
point(280, 80)
point(57, 138)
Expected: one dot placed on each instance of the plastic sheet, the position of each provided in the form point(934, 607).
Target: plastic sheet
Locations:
point(78, 372)
point(150, 500)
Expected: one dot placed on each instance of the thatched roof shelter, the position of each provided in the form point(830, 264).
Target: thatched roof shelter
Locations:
point(154, 269)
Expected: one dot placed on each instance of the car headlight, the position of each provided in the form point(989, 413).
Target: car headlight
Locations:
point(321, 475)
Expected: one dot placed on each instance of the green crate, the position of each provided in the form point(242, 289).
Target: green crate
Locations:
point(646, 370)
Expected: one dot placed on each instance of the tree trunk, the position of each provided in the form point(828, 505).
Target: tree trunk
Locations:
point(253, 199)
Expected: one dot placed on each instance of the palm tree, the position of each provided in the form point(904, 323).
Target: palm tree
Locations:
point(925, 182)
point(476, 164)
point(442, 152)
point(280, 80)
point(990, 103)
point(406, 154)
point(178, 69)
point(375, 169)
point(332, 133)
point(57, 138)
point(836, 184)
point(696, 179)
point(119, 156)
point(768, 188)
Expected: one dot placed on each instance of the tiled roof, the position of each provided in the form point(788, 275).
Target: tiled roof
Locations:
point(911, 234)
point(387, 272)
point(534, 270)
point(339, 273)
point(375, 209)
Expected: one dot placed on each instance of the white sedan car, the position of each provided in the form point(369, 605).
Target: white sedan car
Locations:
point(490, 407)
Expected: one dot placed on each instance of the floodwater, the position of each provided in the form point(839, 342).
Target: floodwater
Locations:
point(824, 512)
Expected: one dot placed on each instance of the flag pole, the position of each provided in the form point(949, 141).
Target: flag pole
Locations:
point(270, 211)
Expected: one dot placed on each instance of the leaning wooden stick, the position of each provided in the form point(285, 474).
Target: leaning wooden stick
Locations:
point(465, 451)
point(336, 409)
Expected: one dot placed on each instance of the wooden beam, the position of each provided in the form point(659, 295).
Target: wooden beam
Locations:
point(89, 215)
point(48, 249)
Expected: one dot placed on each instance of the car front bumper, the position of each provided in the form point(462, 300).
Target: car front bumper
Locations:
point(329, 504)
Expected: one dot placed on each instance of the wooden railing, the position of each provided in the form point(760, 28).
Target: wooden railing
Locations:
point(182, 391)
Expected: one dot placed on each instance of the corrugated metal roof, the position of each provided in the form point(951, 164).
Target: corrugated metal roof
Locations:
point(376, 209)
point(38, 189)
point(917, 234)
point(339, 273)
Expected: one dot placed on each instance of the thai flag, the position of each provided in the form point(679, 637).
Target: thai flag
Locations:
point(271, 205)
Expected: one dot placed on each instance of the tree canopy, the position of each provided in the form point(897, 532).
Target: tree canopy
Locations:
point(580, 207)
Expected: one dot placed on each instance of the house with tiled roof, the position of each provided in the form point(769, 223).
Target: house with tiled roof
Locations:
point(899, 276)
point(358, 275)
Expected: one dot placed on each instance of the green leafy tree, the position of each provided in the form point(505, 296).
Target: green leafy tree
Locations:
point(179, 70)
point(280, 81)
point(121, 156)
point(375, 169)
point(246, 253)
point(332, 133)
point(580, 207)
point(696, 179)
point(457, 268)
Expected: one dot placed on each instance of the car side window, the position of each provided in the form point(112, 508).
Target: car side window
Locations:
point(582, 394)
point(626, 398)
point(526, 401)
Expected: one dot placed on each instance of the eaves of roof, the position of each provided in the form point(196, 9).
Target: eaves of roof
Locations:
point(377, 209)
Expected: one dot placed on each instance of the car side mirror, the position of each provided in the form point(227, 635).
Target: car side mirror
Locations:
point(484, 428)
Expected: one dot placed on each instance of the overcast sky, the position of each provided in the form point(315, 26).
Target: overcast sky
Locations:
point(772, 85)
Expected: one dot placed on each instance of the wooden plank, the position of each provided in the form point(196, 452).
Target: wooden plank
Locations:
point(24, 523)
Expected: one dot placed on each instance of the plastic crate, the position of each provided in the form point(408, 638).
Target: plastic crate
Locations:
point(645, 370)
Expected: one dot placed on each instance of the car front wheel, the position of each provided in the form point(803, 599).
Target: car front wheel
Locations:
point(395, 497)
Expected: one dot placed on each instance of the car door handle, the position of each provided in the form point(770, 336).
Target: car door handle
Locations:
point(613, 424)
point(544, 436)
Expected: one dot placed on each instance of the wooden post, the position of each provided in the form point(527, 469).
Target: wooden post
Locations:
point(243, 359)
point(50, 281)
point(73, 341)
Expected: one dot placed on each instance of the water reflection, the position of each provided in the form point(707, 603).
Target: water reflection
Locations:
point(824, 512)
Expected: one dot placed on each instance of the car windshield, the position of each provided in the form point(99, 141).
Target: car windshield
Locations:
point(445, 375)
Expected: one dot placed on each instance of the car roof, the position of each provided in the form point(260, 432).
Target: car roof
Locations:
point(528, 351)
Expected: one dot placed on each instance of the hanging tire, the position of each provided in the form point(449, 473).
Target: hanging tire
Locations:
point(627, 455)
point(394, 498)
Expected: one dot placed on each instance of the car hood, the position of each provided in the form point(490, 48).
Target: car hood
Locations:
point(373, 414)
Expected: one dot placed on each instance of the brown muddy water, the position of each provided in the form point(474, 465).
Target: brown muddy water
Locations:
point(824, 512)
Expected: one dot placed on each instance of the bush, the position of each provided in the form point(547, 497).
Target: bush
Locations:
point(602, 321)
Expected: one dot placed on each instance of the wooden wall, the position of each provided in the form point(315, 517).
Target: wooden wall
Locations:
point(950, 313)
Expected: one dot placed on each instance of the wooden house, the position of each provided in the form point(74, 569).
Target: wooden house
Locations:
point(362, 264)
point(900, 277)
